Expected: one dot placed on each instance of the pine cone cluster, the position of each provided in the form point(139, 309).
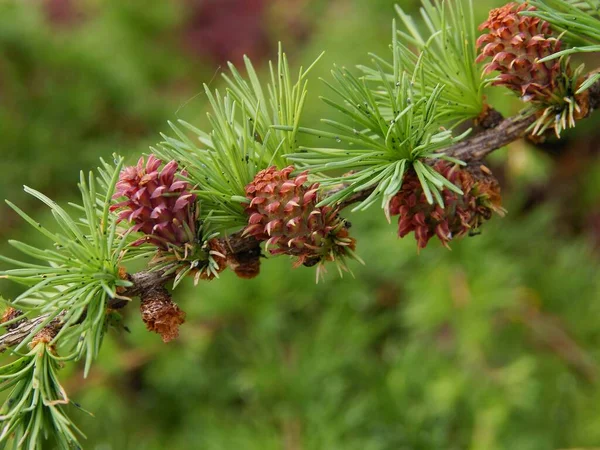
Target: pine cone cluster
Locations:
point(460, 214)
point(283, 212)
point(160, 206)
point(516, 43)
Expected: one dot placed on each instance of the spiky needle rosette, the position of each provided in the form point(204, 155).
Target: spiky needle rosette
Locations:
point(243, 139)
point(459, 215)
point(283, 212)
point(62, 314)
point(161, 206)
point(397, 124)
point(445, 50)
point(520, 48)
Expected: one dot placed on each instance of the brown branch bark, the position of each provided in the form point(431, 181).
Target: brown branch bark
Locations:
point(482, 144)
point(23, 330)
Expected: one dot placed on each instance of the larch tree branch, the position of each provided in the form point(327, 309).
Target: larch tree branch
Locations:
point(243, 251)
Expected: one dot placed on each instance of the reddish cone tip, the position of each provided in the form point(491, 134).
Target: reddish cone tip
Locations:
point(516, 43)
point(459, 216)
point(160, 205)
point(283, 212)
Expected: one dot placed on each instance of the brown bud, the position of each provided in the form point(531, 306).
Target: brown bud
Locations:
point(488, 118)
point(10, 314)
point(45, 336)
point(245, 264)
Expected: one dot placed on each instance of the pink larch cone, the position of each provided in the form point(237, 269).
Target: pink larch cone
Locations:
point(160, 205)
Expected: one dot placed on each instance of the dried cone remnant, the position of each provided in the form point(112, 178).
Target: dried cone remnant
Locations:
point(283, 212)
point(460, 214)
point(245, 263)
point(160, 314)
point(163, 208)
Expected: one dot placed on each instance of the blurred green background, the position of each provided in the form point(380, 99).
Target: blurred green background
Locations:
point(493, 345)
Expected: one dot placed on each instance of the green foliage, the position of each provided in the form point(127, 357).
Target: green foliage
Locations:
point(221, 163)
point(71, 284)
point(34, 410)
point(380, 150)
point(398, 109)
point(439, 351)
point(282, 106)
point(446, 54)
point(245, 139)
point(461, 350)
point(579, 20)
point(80, 272)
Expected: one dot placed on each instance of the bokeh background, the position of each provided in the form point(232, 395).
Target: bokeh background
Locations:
point(493, 345)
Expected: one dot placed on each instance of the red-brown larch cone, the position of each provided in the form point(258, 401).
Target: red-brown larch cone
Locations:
point(460, 214)
point(516, 43)
point(283, 212)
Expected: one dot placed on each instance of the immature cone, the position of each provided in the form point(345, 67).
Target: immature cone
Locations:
point(163, 208)
point(460, 215)
point(515, 43)
point(284, 212)
point(159, 205)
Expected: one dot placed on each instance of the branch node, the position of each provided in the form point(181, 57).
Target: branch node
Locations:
point(11, 314)
point(489, 118)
